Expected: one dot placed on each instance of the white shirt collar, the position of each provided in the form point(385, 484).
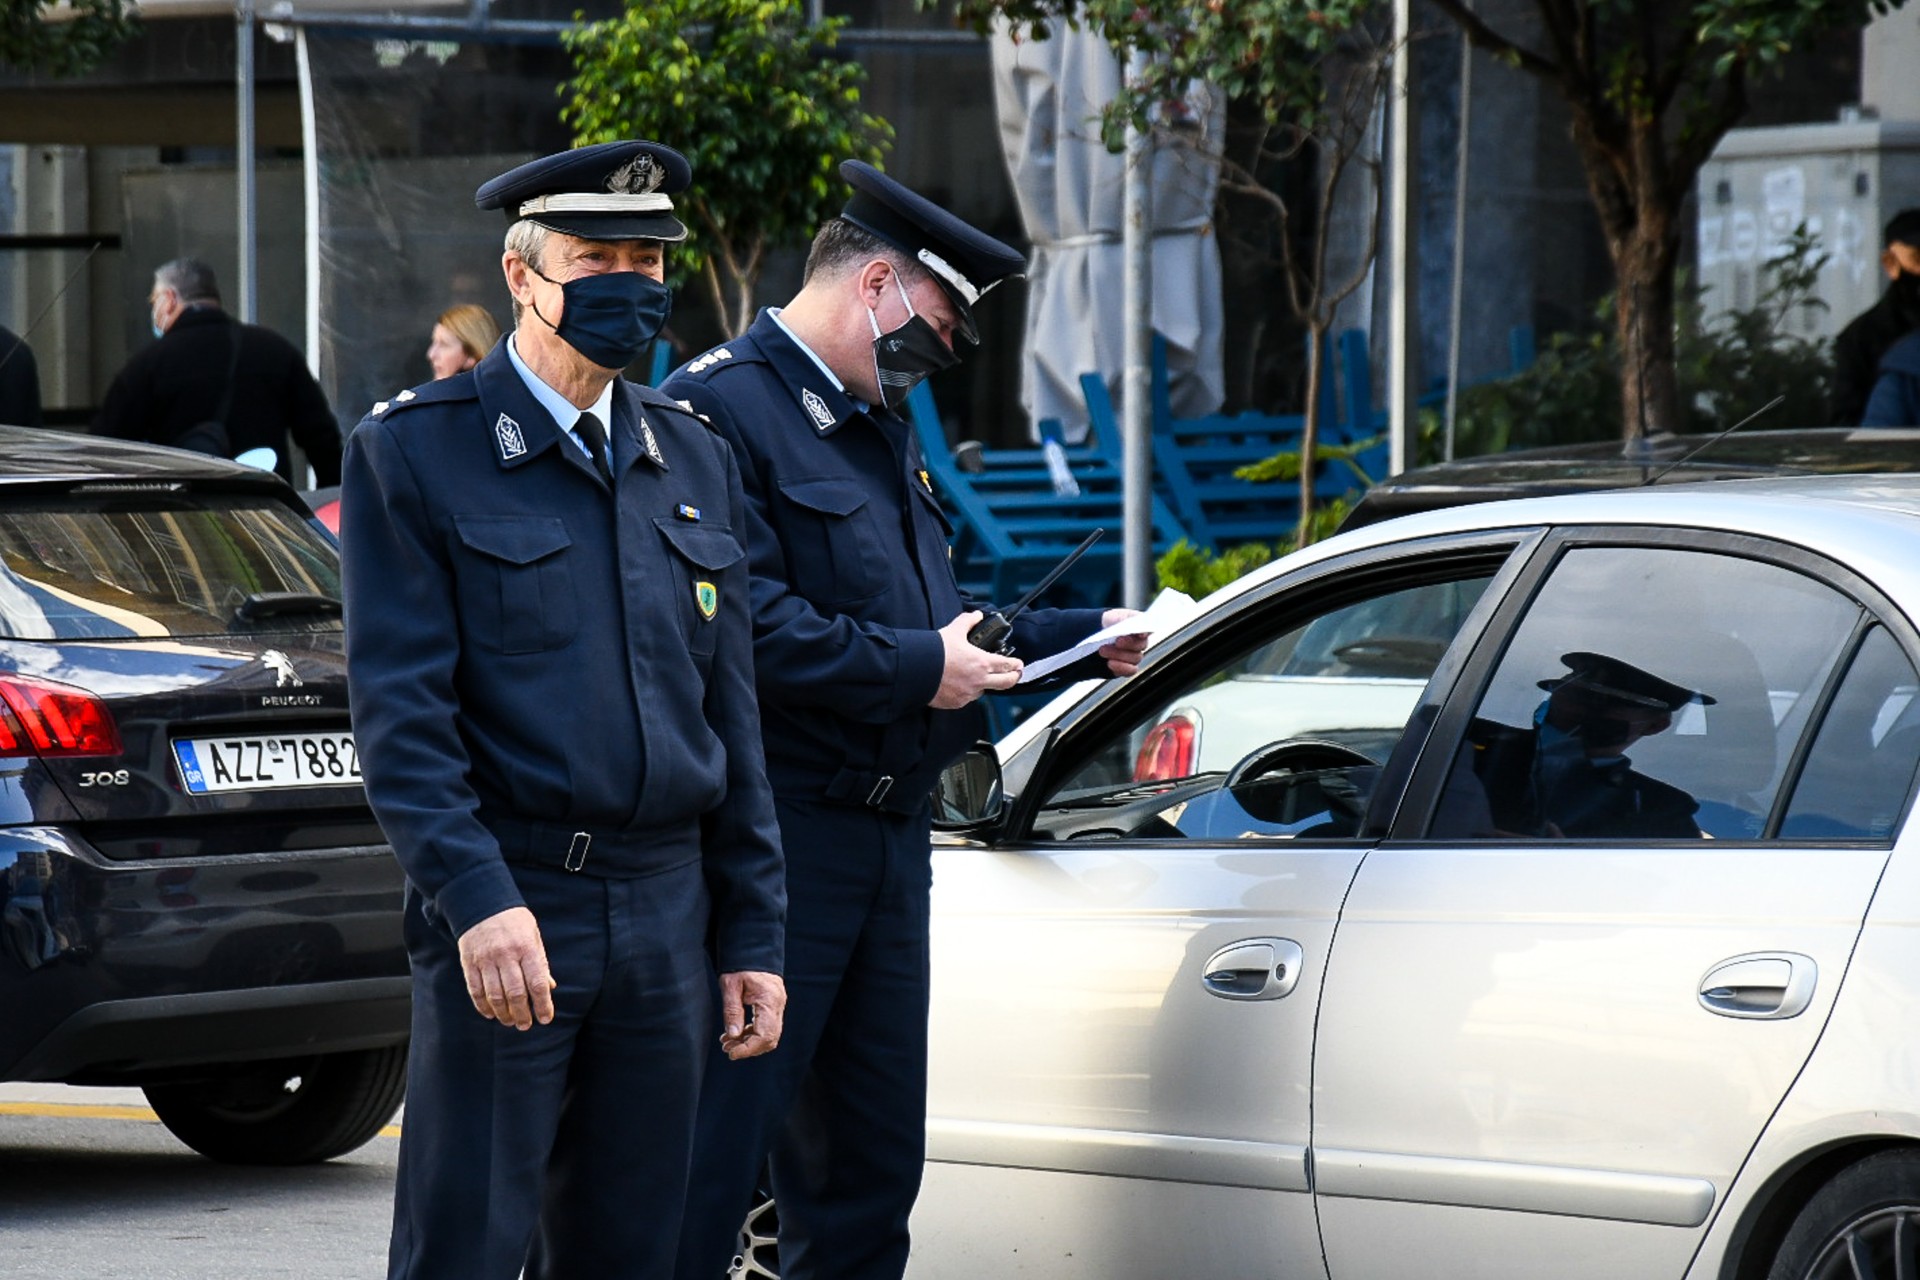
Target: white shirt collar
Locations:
point(841, 387)
point(563, 410)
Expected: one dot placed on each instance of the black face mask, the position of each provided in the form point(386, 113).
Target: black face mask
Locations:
point(903, 357)
point(611, 317)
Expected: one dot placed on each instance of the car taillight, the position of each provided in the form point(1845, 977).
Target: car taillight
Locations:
point(1168, 751)
point(41, 717)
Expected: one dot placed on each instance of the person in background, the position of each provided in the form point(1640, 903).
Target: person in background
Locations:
point(1895, 401)
point(19, 382)
point(213, 384)
point(462, 336)
point(1858, 350)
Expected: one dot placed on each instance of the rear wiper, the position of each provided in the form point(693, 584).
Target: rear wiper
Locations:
point(270, 604)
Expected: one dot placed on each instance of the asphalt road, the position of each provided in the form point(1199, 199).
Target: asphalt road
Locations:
point(93, 1188)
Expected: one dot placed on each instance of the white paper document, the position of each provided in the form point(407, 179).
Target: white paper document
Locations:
point(1169, 610)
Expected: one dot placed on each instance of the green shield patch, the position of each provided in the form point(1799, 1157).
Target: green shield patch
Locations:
point(707, 596)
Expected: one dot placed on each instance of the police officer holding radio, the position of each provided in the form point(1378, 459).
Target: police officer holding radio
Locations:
point(549, 654)
point(868, 686)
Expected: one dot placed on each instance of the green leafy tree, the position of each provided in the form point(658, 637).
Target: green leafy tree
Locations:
point(80, 41)
point(1726, 366)
point(1652, 86)
point(1312, 75)
point(749, 91)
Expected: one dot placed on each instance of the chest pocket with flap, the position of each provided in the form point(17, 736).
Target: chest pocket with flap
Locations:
point(834, 552)
point(515, 582)
point(703, 556)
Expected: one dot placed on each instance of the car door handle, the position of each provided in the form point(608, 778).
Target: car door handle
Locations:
point(1256, 969)
point(1761, 984)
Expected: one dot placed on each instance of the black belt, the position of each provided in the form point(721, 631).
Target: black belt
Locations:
point(904, 795)
point(570, 847)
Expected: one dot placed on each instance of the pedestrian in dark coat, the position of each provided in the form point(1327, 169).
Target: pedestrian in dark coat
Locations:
point(215, 385)
point(1858, 350)
point(550, 664)
point(1895, 401)
point(868, 689)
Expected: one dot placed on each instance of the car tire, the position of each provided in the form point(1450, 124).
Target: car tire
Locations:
point(292, 1111)
point(1853, 1226)
point(756, 1255)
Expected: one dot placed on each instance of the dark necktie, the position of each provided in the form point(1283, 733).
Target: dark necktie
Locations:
point(595, 436)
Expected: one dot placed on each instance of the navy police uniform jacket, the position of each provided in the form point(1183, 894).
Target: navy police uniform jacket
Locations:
point(851, 579)
point(544, 672)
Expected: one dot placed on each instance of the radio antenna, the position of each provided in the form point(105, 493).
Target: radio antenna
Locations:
point(1713, 439)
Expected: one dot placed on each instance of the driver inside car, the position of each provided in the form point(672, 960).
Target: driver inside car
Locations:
point(1567, 775)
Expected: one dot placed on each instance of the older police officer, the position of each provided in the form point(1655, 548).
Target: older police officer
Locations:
point(867, 687)
point(550, 665)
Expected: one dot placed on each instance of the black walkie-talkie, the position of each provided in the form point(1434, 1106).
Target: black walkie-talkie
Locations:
point(994, 633)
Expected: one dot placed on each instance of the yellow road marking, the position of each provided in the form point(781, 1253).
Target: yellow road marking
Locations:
point(77, 1110)
point(85, 1111)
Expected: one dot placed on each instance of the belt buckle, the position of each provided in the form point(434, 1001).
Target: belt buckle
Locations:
point(878, 795)
point(577, 851)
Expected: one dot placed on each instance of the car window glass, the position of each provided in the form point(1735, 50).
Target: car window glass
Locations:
point(1648, 694)
point(1861, 765)
point(1278, 740)
point(109, 566)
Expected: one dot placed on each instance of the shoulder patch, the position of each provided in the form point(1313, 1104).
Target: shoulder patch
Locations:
point(709, 360)
point(688, 406)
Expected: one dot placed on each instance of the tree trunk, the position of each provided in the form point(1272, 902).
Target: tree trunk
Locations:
point(1310, 432)
point(1643, 263)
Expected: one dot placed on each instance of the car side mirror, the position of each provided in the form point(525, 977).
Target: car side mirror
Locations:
point(968, 795)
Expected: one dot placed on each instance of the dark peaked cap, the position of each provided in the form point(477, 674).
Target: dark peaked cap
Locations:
point(964, 261)
point(609, 191)
point(1611, 680)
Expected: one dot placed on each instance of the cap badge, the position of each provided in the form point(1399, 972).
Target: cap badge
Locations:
point(707, 596)
point(637, 177)
point(506, 433)
point(817, 409)
point(651, 445)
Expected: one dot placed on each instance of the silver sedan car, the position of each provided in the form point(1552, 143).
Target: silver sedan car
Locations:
point(1603, 962)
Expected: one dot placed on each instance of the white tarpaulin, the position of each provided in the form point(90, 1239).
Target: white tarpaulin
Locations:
point(1049, 94)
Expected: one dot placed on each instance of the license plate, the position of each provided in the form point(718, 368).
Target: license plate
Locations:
point(261, 763)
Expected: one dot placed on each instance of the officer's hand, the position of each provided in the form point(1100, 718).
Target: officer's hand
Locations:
point(1123, 653)
point(506, 967)
point(768, 996)
point(970, 672)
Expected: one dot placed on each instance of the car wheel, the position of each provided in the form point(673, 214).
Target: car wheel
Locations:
point(1863, 1225)
point(757, 1256)
point(294, 1111)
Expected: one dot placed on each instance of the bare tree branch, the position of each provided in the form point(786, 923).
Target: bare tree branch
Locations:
point(1485, 37)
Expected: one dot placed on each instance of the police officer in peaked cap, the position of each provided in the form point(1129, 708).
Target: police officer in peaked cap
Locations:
point(868, 690)
point(549, 654)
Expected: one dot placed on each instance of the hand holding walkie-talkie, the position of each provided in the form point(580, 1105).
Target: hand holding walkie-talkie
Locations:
point(994, 633)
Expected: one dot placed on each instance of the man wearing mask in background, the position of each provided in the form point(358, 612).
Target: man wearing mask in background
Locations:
point(550, 663)
point(1858, 349)
point(867, 690)
point(214, 385)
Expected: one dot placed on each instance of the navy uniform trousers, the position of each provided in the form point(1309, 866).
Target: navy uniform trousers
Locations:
point(613, 1081)
point(846, 1163)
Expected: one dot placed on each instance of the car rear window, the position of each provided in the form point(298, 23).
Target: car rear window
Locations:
point(107, 565)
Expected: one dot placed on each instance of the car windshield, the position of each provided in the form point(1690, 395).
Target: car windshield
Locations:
point(108, 565)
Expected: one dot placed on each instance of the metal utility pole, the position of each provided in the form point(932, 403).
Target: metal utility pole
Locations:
point(1400, 320)
point(1459, 282)
point(249, 301)
point(1136, 416)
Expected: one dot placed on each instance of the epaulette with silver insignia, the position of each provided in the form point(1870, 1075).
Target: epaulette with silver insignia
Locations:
point(688, 406)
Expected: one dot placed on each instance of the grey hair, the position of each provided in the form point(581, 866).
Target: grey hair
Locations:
point(190, 279)
point(528, 240)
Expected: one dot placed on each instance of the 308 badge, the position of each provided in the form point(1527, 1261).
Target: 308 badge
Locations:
point(708, 598)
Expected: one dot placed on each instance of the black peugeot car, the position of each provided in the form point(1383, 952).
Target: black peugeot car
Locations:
point(194, 895)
